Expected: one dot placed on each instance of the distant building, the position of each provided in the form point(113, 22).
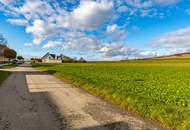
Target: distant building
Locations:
point(62, 57)
point(36, 60)
point(52, 58)
point(81, 60)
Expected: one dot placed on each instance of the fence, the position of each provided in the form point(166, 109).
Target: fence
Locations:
point(4, 63)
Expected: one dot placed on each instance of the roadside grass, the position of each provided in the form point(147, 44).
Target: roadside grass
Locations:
point(155, 89)
point(9, 66)
point(3, 75)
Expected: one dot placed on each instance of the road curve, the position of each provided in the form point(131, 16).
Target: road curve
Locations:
point(34, 100)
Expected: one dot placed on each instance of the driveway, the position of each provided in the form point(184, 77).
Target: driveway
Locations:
point(34, 100)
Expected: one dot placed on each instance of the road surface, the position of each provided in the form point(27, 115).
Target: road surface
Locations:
point(34, 100)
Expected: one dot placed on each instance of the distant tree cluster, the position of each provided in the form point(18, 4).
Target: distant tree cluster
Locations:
point(73, 60)
point(20, 58)
point(8, 53)
point(36, 60)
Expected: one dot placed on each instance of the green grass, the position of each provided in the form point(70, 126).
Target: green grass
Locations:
point(155, 89)
point(3, 75)
point(9, 66)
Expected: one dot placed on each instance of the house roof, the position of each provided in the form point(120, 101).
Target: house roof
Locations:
point(62, 56)
point(47, 54)
point(53, 55)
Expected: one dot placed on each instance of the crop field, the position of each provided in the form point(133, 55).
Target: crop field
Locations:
point(155, 89)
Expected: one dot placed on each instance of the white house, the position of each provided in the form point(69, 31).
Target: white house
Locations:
point(52, 58)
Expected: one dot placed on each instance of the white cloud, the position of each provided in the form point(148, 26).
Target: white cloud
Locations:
point(176, 39)
point(112, 28)
point(82, 43)
point(148, 54)
point(115, 49)
point(78, 25)
point(116, 33)
point(166, 2)
point(34, 9)
point(6, 2)
point(140, 4)
point(123, 9)
point(44, 20)
point(28, 44)
point(21, 22)
point(150, 3)
point(38, 31)
point(91, 14)
point(52, 44)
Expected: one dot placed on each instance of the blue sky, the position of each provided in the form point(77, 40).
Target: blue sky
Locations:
point(96, 29)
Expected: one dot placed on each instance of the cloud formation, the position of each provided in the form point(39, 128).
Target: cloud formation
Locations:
point(91, 14)
point(52, 44)
point(21, 22)
point(177, 41)
point(167, 2)
point(85, 25)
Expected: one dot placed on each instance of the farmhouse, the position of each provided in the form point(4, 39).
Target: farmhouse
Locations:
point(52, 58)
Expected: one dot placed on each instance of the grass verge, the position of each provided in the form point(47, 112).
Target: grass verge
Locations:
point(3, 75)
point(9, 66)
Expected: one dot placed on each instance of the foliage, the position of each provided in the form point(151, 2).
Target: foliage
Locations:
point(36, 60)
point(73, 60)
point(10, 53)
point(68, 60)
point(9, 66)
point(82, 60)
point(156, 89)
point(20, 58)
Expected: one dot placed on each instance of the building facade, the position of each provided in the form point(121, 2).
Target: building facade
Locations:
point(50, 58)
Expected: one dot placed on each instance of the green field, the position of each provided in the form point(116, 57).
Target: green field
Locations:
point(3, 75)
point(9, 66)
point(155, 89)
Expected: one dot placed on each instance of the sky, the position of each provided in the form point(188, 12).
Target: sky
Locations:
point(96, 29)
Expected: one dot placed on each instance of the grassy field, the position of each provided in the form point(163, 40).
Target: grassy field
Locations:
point(155, 89)
point(3, 75)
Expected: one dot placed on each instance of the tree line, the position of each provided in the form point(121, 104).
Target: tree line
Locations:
point(7, 52)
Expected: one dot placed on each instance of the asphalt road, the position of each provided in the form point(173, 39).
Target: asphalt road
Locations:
point(34, 100)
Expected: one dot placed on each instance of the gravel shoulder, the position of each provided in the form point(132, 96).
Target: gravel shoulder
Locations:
point(34, 100)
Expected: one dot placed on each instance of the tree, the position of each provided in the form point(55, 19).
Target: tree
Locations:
point(10, 53)
point(82, 59)
point(20, 58)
